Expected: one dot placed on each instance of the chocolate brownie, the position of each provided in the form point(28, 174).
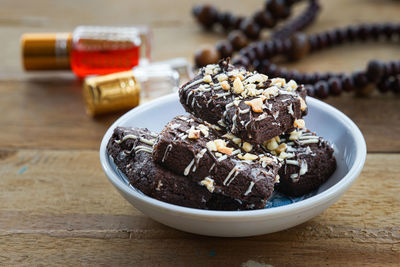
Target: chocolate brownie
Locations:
point(193, 148)
point(248, 104)
point(131, 148)
point(307, 160)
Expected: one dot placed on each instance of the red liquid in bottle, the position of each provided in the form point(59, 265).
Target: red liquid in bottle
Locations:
point(86, 62)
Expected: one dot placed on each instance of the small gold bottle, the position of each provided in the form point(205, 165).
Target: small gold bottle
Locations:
point(110, 93)
point(123, 90)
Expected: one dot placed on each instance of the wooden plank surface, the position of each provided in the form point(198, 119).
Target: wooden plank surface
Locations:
point(57, 207)
point(71, 214)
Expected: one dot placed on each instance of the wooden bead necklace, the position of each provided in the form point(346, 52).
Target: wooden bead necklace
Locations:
point(382, 75)
point(245, 29)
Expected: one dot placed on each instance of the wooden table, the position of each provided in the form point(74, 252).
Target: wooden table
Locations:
point(57, 207)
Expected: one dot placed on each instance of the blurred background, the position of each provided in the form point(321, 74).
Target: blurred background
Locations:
point(50, 105)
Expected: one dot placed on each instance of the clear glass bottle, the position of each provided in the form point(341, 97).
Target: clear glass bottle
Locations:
point(88, 50)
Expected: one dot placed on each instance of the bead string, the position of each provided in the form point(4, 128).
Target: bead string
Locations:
point(245, 29)
point(383, 75)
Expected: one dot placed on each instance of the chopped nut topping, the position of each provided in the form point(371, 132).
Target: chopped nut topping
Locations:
point(299, 123)
point(220, 146)
point(218, 155)
point(209, 183)
point(211, 146)
point(271, 92)
point(226, 150)
point(219, 143)
point(247, 146)
point(233, 73)
point(193, 133)
point(248, 156)
point(277, 139)
point(229, 136)
point(221, 122)
point(271, 144)
point(294, 135)
point(236, 102)
point(303, 104)
point(159, 185)
point(215, 127)
point(238, 86)
point(212, 69)
point(225, 85)
point(222, 77)
point(256, 104)
point(257, 78)
point(250, 86)
point(291, 85)
point(252, 90)
point(236, 140)
point(281, 148)
point(207, 79)
point(203, 129)
point(278, 82)
point(283, 155)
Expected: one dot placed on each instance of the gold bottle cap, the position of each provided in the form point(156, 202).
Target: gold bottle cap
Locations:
point(46, 51)
point(109, 93)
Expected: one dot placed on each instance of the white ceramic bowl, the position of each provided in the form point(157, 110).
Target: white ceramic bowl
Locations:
point(333, 125)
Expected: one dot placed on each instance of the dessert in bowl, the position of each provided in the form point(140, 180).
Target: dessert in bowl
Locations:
point(204, 203)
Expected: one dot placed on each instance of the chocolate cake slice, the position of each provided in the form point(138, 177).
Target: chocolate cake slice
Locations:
point(193, 148)
point(248, 104)
point(307, 159)
point(131, 148)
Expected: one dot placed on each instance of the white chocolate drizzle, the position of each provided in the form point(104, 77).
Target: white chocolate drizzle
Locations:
point(188, 96)
point(229, 175)
point(131, 136)
point(223, 94)
point(290, 109)
point(303, 168)
point(187, 169)
point(244, 111)
point(233, 178)
point(224, 157)
point(250, 188)
point(235, 152)
point(198, 157)
point(294, 177)
point(292, 162)
point(166, 152)
point(193, 84)
point(311, 141)
point(143, 148)
point(212, 167)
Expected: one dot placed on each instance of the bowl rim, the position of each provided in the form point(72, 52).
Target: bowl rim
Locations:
point(316, 200)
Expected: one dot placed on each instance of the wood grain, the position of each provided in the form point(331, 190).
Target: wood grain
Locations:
point(73, 215)
point(57, 207)
point(377, 116)
point(30, 100)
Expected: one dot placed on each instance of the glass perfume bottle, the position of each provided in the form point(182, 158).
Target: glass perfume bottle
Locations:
point(88, 50)
point(123, 90)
